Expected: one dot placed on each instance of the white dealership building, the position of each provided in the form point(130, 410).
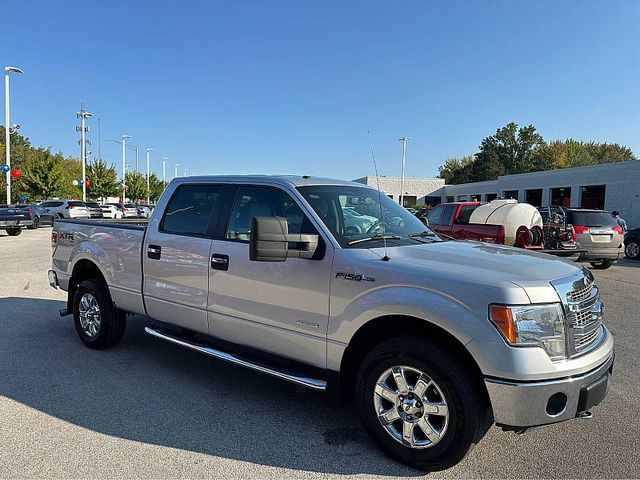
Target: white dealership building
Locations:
point(609, 186)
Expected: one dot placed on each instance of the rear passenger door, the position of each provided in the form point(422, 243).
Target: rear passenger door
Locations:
point(276, 307)
point(176, 256)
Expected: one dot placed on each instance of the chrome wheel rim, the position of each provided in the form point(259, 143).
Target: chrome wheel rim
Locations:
point(633, 250)
point(411, 407)
point(89, 312)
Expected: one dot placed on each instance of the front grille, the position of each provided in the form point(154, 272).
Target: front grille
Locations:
point(583, 310)
point(581, 294)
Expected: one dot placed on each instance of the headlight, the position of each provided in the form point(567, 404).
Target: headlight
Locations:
point(532, 325)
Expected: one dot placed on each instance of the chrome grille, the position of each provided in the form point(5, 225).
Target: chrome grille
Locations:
point(583, 310)
point(581, 294)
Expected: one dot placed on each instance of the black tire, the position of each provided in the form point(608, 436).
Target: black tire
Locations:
point(603, 265)
point(36, 224)
point(632, 250)
point(469, 409)
point(112, 321)
point(14, 231)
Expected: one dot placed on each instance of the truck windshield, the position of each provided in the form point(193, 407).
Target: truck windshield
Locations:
point(360, 217)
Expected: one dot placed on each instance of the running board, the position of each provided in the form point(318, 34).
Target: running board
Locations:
point(312, 383)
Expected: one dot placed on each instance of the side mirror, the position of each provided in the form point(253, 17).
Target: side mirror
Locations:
point(269, 241)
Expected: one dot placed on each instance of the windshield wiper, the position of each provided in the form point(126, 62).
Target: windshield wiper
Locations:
point(426, 233)
point(374, 238)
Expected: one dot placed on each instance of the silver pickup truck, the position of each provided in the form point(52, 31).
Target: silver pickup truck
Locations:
point(436, 339)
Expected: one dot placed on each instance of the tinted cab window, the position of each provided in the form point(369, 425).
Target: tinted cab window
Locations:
point(253, 202)
point(189, 210)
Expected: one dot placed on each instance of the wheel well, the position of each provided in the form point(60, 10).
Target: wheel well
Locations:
point(376, 331)
point(83, 270)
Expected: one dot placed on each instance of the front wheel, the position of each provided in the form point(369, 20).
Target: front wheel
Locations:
point(98, 322)
point(603, 265)
point(36, 224)
point(420, 404)
point(14, 231)
point(632, 250)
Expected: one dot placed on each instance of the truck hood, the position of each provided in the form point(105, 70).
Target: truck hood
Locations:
point(490, 262)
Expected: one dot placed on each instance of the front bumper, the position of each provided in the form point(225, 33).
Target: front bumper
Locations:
point(529, 404)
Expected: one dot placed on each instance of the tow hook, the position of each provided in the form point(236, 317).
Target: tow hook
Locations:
point(585, 415)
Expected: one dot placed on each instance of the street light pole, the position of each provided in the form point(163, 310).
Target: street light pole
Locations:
point(7, 127)
point(175, 170)
point(83, 115)
point(164, 171)
point(124, 168)
point(186, 171)
point(149, 150)
point(404, 157)
point(137, 163)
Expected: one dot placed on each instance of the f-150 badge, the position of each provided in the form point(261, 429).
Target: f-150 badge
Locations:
point(356, 277)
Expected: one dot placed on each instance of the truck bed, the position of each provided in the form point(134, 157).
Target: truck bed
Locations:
point(115, 246)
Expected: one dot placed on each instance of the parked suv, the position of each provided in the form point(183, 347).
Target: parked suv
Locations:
point(95, 210)
point(67, 208)
point(597, 232)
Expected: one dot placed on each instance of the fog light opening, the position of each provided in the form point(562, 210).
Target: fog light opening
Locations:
point(556, 404)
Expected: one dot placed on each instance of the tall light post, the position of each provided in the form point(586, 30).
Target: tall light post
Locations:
point(404, 141)
point(164, 171)
point(124, 167)
point(83, 115)
point(186, 172)
point(149, 150)
point(175, 170)
point(7, 127)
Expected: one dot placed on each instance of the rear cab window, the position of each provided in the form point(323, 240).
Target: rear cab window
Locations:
point(465, 214)
point(190, 209)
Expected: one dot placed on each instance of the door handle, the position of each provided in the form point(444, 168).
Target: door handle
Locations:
point(154, 252)
point(220, 262)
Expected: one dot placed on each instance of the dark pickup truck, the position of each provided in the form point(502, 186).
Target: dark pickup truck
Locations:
point(14, 217)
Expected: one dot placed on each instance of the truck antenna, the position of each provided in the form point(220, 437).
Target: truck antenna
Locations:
point(375, 167)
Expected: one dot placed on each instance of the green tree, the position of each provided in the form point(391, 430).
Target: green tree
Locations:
point(103, 180)
point(511, 150)
point(456, 170)
point(136, 186)
point(43, 175)
point(156, 187)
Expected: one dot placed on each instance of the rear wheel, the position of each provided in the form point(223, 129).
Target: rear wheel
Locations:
point(14, 231)
point(98, 322)
point(420, 404)
point(603, 265)
point(36, 224)
point(632, 250)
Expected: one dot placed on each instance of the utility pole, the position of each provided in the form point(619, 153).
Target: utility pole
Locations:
point(124, 167)
point(137, 163)
point(149, 150)
point(164, 171)
point(83, 128)
point(186, 171)
point(175, 170)
point(7, 127)
point(404, 141)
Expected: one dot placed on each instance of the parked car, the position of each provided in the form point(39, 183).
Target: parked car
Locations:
point(632, 244)
point(41, 216)
point(13, 218)
point(436, 339)
point(130, 210)
point(597, 232)
point(356, 222)
point(66, 208)
point(143, 211)
point(110, 210)
point(95, 209)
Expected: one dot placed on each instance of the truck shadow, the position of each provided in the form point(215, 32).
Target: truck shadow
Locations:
point(150, 391)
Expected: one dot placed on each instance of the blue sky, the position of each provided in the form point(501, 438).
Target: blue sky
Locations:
point(294, 86)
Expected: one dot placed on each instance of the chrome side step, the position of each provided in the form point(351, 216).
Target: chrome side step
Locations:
point(312, 383)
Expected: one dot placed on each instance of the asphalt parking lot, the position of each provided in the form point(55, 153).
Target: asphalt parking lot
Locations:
point(150, 409)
